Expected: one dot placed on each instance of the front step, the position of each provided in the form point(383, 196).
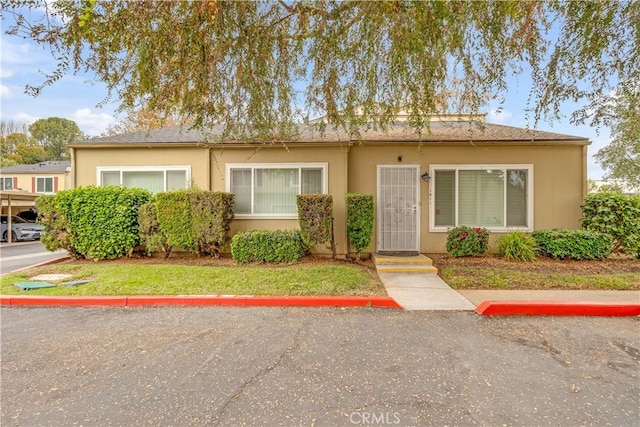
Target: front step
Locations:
point(404, 264)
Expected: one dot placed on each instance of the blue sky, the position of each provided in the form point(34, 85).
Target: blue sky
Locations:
point(76, 97)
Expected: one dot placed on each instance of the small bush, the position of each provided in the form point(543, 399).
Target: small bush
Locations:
point(467, 241)
point(615, 214)
point(315, 215)
point(267, 246)
point(517, 246)
point(573, 244)
point(360, 220)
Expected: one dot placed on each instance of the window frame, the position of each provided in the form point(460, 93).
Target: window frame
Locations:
point(458, 167)
point(163, 169)
point(3, 178)
point(53, 185)
point(324, 166)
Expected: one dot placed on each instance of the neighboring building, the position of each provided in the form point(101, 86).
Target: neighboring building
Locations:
point(39, 178)
point(42, 178)
point(462, 172)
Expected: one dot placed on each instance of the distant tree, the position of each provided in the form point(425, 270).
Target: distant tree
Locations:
point(11, 132)
point(54, 134)
point(7, 127)
point(259, 67)
point(141, 120)
point(24, 149)
point(621, 157)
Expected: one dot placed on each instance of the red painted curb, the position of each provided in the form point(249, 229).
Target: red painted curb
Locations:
point(557, 308)
point(201, 300)
point(190, 300)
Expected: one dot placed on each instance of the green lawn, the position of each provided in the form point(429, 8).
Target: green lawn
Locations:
point(175, 279)
point(496, 278)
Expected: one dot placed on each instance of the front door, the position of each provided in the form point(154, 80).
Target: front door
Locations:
point(398, 208)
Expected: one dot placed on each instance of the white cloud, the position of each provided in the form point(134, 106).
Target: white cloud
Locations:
point(24, 117)
point(14, 53)
point(5, 74)
point(500, 116)
point(5, 92)
point(91, 122)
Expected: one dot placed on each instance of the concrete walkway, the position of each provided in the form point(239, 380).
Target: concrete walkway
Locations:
point(414, 283)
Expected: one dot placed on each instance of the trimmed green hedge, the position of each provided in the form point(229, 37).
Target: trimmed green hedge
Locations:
point(174, 218)
point(467, 241)
point(195, 220)
point(617, 215)
point(93, 222)
point(211, 214)
point(267, 246)
point(360, 220)
point(315, 215)
point(573, 244)
point(150, 235)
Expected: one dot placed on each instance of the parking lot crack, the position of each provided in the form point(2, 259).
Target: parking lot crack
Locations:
point(297, 339)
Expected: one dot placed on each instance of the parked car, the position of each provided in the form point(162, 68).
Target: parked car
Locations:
point(20, 229)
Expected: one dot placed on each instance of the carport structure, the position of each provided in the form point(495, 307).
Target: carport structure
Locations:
point(15, 198)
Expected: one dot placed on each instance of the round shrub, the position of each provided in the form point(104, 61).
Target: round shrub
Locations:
point(467, 241)
point(517, 246)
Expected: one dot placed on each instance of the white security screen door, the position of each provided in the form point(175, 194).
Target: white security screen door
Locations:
point(398, 208)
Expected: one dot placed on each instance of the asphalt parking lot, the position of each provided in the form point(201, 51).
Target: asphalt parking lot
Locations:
point(309, 366)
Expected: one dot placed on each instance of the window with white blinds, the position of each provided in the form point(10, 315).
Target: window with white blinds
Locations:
point(270, 190)
point(492, 196)
point(154, 179)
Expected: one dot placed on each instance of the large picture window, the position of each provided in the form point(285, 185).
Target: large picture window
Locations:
point(44, 185)
point(270, 190)
point(154, 179)
point(498, 197)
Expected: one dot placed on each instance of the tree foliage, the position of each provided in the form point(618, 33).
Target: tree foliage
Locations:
point(142, 119)
point(20, 148)
point(621, 158)
point(257, 66)
point(54, 133)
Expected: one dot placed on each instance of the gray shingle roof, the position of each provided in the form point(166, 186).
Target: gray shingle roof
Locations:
point(400, 132)
point(42, 167)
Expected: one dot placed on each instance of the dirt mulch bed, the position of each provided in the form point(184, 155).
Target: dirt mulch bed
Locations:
point(186, 258)
point(612, 265)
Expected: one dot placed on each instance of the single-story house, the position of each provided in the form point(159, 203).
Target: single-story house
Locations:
point(37, 178)
point(463, 171)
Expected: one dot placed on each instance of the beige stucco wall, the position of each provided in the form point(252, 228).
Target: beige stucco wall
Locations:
point(559, 173)
point(334, 156)
point(87, 160)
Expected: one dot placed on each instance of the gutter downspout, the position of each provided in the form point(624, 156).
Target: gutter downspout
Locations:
point(585, 186)
point(72, 175)
point(209, 177)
